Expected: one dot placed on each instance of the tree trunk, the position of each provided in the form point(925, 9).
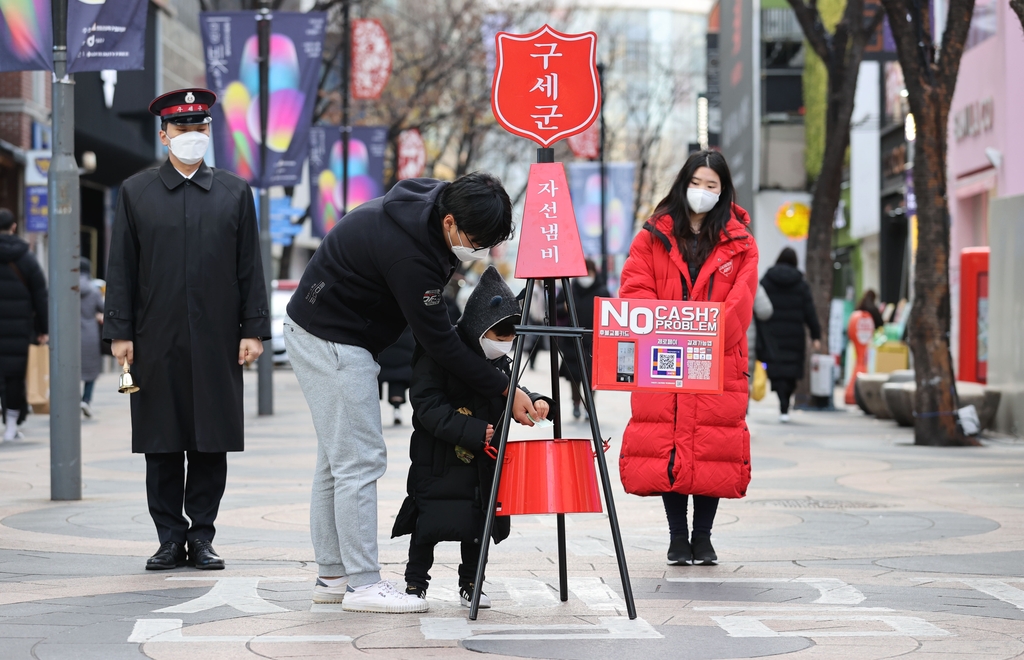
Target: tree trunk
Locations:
point(1018, 8)
point(936, 397)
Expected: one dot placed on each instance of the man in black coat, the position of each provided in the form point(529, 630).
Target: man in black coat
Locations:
point(792, 309)
point(23, 313)
point(186, 307)
point(383, 266)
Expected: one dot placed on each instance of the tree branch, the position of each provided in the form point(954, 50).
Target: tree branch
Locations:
point(1018, 8)
point(954, 39)
point(814, 29)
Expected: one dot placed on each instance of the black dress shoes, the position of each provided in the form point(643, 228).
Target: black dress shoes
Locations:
point(202, 555)
point(170, 555)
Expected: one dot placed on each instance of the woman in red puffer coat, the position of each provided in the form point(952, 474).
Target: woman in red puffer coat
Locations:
point(697, 246)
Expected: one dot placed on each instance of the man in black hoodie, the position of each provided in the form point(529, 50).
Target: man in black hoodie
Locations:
point(383, 266)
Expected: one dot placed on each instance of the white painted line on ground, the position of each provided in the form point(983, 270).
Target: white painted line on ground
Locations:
point(902, 626)
point(588, 548)
point(595, 594)
point(149, 631)
point(998, 589)
point(456, 629)
point(831, 591)
point(773, 607)
point(237, 592)
point(528, 592)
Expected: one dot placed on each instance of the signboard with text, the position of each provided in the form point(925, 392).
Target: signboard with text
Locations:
point(549, 241)
point(665, 345)
point(545, 85)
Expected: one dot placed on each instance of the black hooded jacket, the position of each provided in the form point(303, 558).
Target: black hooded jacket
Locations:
point(447, 495)
point(793, 308)
point(384, 265)
point(23, 304)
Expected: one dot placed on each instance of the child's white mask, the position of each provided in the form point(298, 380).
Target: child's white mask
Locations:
point(494, 349)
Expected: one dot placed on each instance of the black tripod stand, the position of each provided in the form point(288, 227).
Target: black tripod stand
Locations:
point(574, 334)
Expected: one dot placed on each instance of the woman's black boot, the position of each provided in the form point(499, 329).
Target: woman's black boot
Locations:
point(679, 551)
point(703, 551)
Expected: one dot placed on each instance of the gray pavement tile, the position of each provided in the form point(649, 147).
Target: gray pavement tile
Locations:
point(79, 651)
point(680, 643)
point(1006, 564)
point(39, 631)
point(16, 648)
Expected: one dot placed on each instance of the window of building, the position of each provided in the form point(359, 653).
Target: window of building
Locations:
point(983, 22)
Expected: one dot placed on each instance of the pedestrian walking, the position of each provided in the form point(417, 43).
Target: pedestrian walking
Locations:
point(396, 372)
point(793, 308)
point(453, 462)
point(91, 322)
point(762, 312)
point(186, 307)
point(584, 290)
point(381, 267)
point(696, 246)
point(23, 316)
point(868, 304)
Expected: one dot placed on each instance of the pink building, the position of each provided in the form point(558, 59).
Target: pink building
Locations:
point(986, 133)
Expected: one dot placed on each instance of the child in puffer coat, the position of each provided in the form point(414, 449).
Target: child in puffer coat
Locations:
point(452, 467)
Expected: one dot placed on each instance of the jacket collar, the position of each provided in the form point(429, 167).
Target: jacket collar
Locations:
point(172, 178)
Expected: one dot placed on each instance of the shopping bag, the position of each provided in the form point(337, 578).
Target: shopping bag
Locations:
point(760, 382)
point(37, 378)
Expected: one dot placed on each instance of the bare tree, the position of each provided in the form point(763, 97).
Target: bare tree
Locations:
point(930, 76)
point(842, 52)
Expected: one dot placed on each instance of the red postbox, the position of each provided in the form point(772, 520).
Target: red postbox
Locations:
point(974, 315)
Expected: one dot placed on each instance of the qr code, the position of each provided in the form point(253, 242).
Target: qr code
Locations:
point(666, 362)
point(698, 370)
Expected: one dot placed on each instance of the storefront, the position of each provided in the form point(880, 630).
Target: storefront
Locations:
point(985, 141)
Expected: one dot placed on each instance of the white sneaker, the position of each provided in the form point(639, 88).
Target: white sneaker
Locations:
point(323, 593)
point(784, 418)
point(86, 409)
point(382, 597)
point(466, 597)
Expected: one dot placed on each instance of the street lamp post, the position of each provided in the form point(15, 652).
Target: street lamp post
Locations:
point(265, 364)
point(64, 303)
point(346, 68)
point(604, 179)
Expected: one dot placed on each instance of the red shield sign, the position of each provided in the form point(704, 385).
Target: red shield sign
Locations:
point(545, 84)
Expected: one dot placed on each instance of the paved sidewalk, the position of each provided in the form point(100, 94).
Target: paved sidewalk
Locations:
point(852, 543)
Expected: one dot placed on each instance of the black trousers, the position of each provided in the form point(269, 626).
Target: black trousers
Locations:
point(421, 558)
point(784, 387)
point(704, 509)
point(14, 392)
point(169, 489)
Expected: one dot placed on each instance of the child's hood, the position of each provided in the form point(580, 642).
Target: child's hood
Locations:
point(491, 301)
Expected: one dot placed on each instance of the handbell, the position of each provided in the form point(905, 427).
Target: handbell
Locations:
point(127, 384)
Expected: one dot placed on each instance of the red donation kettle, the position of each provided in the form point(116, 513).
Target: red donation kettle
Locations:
point(548, 476)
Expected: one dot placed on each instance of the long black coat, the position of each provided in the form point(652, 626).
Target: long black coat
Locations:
point(22, 304)
point(793, 308)
point(185, 283)
point(447, 497)
point(584, 300)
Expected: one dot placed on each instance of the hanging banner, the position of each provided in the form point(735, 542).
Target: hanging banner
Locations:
point(37, 169)
point(549, 242)
point(412, 154)
point(366, 147)
point(545, 85)
point(26, 40)
point(371, 58)
point(585, 185)
point(587, 145)
point(231, 49)
point(673, 345)
point(106, 34)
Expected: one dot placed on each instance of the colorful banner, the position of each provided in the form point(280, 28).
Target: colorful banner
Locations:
point(231, 49)
point(26, 40)
point(106, 34)
point(366, 148)
point(660, 345)
point(585, 183)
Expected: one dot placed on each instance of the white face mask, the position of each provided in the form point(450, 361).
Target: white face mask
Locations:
point(586, 282)
point(701, 200)
point(463, 253)
point(494, 349)
point(190, 147)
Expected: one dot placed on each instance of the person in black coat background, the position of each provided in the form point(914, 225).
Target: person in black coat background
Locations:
point(396, 370)
point(451, 473)
point(23, 314)
point(793, 308)
point(584, 290)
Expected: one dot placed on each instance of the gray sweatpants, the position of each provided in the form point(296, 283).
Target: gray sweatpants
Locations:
point(340, 386)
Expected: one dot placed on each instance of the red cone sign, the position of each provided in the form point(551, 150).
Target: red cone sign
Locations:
point(545, 84)
point(549, 241)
